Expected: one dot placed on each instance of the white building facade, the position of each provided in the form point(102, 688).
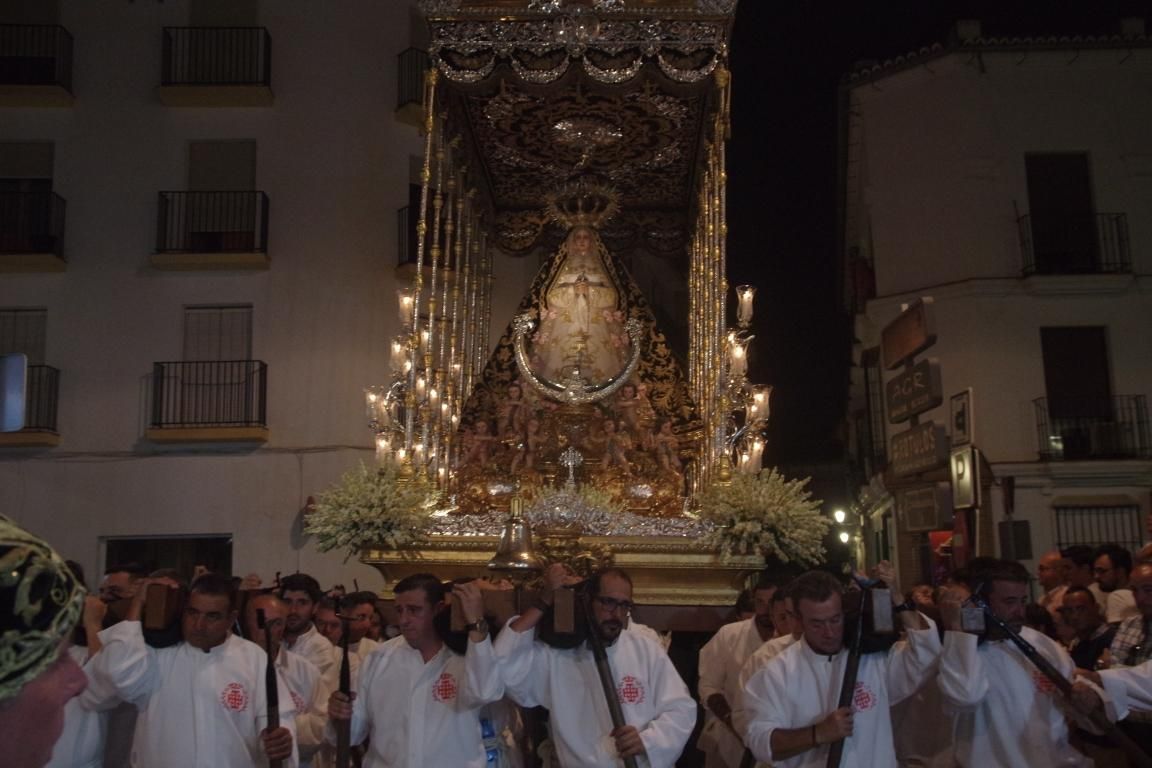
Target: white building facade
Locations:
point(154, 227)
point(1011, 181)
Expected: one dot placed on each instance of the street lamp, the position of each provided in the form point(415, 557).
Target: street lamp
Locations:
point(839, 516)
point(844, 536)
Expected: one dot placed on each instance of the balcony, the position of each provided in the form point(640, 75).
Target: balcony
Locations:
point(32, 232)
point(1088, 245)
point(42, 397)
point(412, 65)
point(1114, 428)
point(212, 230)
point(216, 67)
point(35, 66)
point(209, 401)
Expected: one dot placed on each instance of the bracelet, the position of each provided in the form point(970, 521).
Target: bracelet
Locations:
point(813, 735)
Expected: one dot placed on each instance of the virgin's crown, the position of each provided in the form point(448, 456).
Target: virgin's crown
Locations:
point(585, 201)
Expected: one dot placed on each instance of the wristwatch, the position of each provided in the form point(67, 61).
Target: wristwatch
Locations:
point(478, 626)
point(907, 605)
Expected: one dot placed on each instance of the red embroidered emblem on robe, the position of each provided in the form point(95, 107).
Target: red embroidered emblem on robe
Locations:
point(234, 697)
point(298, 702)
point(444, 689)
point(863, 697)
point(630, 690)
point(1043, 684)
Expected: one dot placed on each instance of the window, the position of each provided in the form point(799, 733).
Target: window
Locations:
point(218, 333)
point(1063, 220)
point(182, 553)
point(1108, 523)
point(23, 331)
point(1076, 372)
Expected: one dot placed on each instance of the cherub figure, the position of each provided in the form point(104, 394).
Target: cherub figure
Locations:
point(478, 445)
point(530, 445)
point(633, 410)
point(616, 447)
point(667, 448)
point(513, 412)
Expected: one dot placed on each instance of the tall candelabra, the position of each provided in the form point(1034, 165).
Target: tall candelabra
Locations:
point(436, 355)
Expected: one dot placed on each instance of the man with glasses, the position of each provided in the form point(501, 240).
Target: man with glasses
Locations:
point(658, 711)
point(201, 701)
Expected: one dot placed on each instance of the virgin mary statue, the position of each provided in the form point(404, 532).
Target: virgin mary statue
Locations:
point(581, 319)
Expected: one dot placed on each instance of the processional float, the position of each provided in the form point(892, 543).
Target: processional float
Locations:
point(589, 135)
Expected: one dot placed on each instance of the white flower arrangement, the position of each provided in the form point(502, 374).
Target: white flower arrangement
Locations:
point(371, 507)
point(765, 514)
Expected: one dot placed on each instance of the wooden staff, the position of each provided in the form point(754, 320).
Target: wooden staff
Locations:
point(851, 672)
point(1098, 719)
point(344, 727)
point(605, 671)
point(271, 689)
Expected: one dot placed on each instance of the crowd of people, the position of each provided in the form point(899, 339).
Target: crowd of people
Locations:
point(152, 671)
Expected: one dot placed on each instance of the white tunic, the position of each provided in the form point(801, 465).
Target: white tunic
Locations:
point(721, 660)
point(652, 697)
point(801, 687)
point(315, 647)
point(753, 664)
point(197, 709)
point(326, 757)
point(1004, 711)
point(424, 715)
point(1129, 687)
point(309, 694)
point(81, 743)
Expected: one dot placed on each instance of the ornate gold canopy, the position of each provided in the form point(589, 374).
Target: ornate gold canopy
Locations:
point(536, 107)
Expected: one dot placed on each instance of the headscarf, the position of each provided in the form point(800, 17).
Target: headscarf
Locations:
point(40, 603)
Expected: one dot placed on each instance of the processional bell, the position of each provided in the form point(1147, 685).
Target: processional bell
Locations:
point(515, 557)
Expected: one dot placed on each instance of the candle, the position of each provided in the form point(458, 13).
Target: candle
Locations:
point(744, 295)
point(738, 359)
point(406, 299)
point(399, 355)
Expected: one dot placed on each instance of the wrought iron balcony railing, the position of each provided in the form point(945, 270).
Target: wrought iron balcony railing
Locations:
point(217, 56)
point(1113, 428)
point(32, 222)
point(1096, 244)
point(210, 393)
point(35, 55)
point(43, 395)
point(411, 66)
point(212, 222)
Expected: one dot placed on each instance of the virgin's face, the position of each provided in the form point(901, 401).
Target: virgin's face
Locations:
point(580, 241)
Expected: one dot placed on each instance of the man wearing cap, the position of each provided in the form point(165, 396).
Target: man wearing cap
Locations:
point(40, 603)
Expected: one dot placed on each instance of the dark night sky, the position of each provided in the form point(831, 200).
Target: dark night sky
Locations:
point(787, 60)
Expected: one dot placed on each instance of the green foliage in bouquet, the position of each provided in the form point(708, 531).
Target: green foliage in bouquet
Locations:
point(765, 514)
point(371, 507)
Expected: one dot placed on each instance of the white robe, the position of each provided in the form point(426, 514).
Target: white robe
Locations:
point(326, 756)
point(721, 660)
point(316, 648)
point(81, 743)
point(197, 709)
point(1005, 713)
point(1129, 687)
point(652, 697)
point(424, 715)
point(309, 693)
point(800, 687)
